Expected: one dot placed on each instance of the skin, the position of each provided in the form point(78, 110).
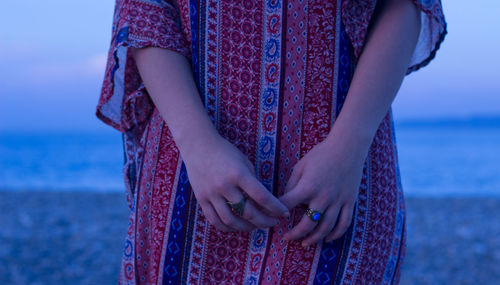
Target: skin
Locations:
point(328, 177)
point(218, 171)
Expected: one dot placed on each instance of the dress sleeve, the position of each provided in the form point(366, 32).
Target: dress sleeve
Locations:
point(124, 102)
point(356, 16)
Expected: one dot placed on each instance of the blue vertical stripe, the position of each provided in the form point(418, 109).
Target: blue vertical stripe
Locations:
point(193, 11)
point(330, 260)
point(346, 67)
point(176, 237)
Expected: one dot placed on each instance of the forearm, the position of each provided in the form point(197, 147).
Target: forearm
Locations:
point(168, 78)
point(379, 73)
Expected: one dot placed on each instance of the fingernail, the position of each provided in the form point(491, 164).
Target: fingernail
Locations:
point(286, 214)
point(305, 244)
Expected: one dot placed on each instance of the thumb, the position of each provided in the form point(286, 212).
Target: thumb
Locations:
point(293, 196)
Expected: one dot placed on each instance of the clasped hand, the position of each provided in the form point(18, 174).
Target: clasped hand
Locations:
point(218, 172)
point(326, 179)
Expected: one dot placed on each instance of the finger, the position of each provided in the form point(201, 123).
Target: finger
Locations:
point(256, 217)
point(294, 197)
point(325, 226)
point(304, 227)
point(213, 218)
point(294, 178)
point(228, 217)
point(250, 212)
point(343, 223)
point(262, 196)
point(250, 166)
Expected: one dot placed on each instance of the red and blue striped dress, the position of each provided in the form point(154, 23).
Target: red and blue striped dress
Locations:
point(273, 76)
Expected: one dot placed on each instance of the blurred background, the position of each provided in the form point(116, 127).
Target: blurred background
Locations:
point(63, 205)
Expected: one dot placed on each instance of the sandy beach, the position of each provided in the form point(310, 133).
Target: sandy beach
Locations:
point(76, 238)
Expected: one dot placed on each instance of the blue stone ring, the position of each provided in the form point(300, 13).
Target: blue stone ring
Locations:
point(314, 215)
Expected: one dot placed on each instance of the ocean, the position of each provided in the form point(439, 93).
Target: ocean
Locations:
point(61, 161)
point(435, 159)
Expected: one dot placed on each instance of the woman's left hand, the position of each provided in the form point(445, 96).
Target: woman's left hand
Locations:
point(326, 179)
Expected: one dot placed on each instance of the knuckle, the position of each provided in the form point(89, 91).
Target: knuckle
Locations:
point(342, 226)
point(329, 238)
point(323, 231)
point(218, 185)
point(347, 222)
point(260, 197)
point(236, 174)
point(216, 224)
point(233, 223)
point(317, 238)
point(318, 235)
point(207, 214)
point(211, 221)
point(227, 220)
point(334, 236)
point(346, 226)
point(249, 215)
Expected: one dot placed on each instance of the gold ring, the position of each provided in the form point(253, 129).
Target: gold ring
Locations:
point(238, 207)
point(314, 215)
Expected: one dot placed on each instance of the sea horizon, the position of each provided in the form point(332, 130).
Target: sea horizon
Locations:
point(444, 157)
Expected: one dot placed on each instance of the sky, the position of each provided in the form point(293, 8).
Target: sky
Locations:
point(53, 52)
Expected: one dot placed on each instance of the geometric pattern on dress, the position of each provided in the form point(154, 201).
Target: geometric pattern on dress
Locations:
point(271, 75)
point(168, 238)
point(290, 115)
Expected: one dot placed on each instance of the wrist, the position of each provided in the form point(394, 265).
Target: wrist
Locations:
point(192, 140)
point(352, 136)
point(356, 132)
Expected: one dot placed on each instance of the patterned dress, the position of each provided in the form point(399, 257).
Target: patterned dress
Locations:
point(273, 76)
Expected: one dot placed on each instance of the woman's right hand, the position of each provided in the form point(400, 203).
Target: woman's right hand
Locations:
point(219, 172)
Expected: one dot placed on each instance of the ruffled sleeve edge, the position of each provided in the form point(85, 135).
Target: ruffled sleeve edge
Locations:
point(124, 101)
point(357, 16)
point(443, 31)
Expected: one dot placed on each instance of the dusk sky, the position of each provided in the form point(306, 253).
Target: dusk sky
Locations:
point(52, 56)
